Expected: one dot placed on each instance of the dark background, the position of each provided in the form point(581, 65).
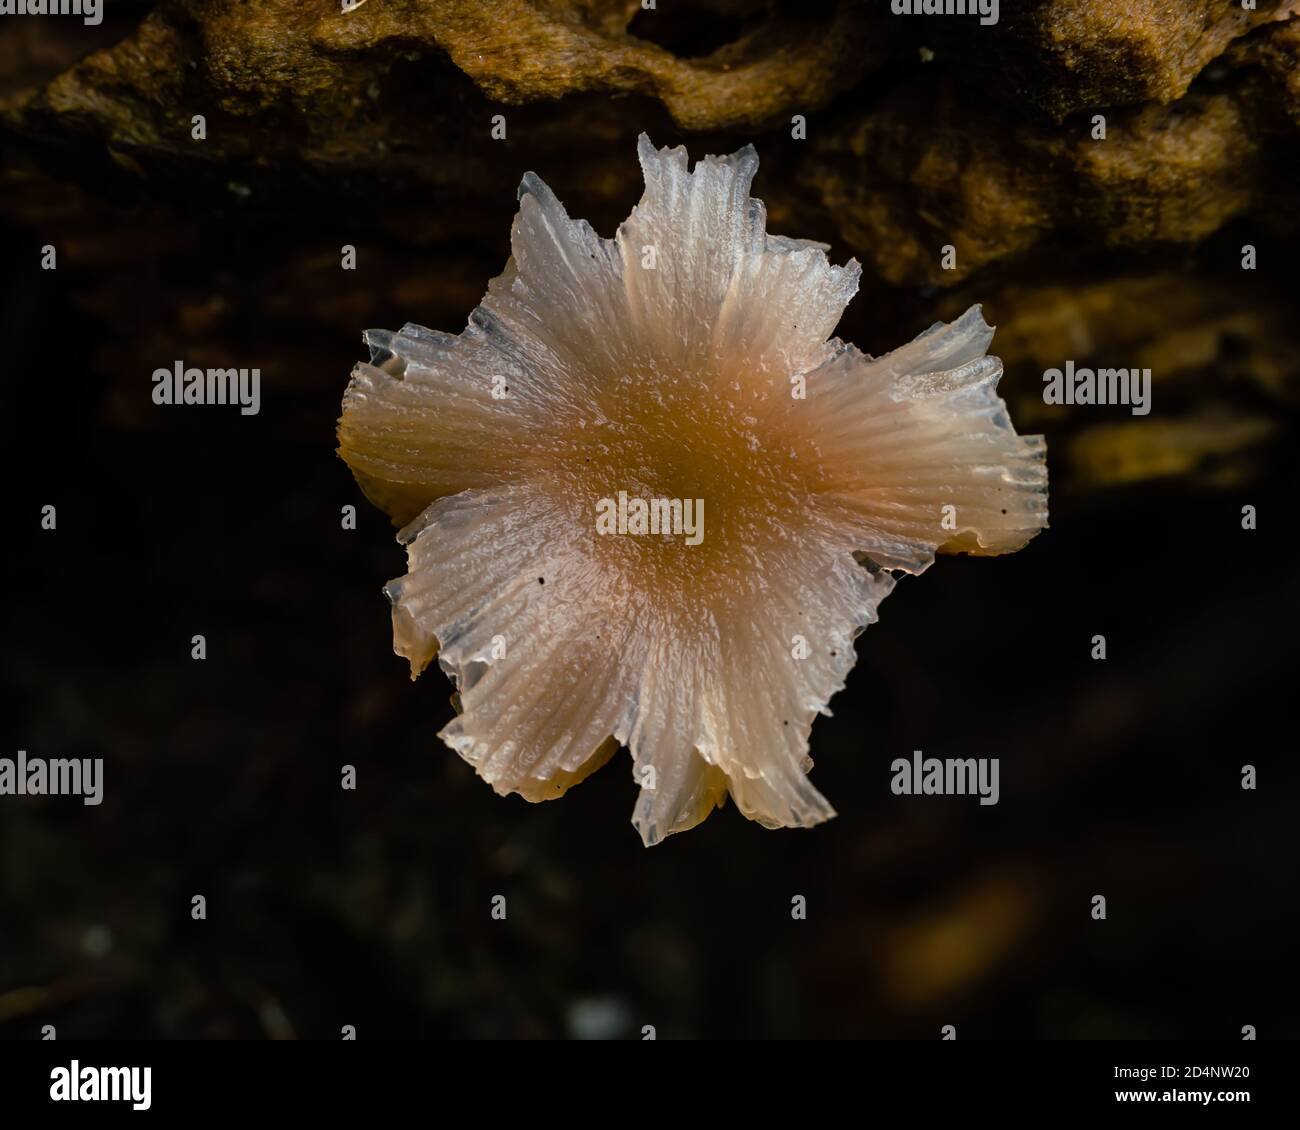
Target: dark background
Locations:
point(1119, 777)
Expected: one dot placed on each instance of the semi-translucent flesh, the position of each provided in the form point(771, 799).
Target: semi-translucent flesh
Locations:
point(709, 661)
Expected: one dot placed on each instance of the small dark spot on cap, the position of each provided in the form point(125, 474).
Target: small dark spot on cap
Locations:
point(541, 580)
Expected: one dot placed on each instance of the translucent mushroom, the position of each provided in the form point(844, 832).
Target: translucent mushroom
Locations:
point(689, 358)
